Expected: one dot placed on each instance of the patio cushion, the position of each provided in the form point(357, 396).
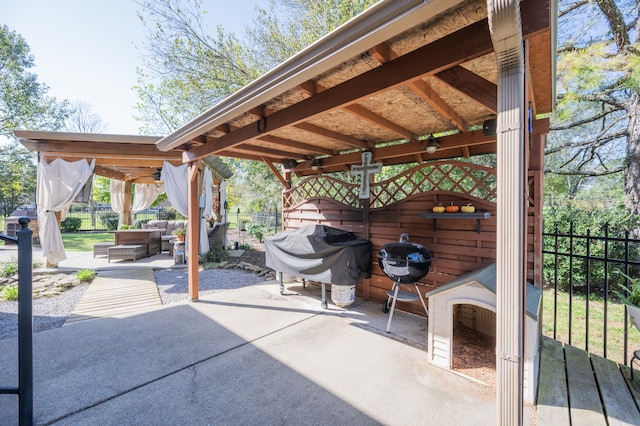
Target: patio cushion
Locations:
point(168, 225)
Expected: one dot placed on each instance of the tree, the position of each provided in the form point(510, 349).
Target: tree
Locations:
point(17, 178)
point(82, 120)
point(596, 127)
point(189, 69)
point(23, 100)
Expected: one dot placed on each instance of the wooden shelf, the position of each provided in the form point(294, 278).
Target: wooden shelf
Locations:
point(476, 215)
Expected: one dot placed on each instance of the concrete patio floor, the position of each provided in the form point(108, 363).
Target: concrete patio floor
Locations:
point(242, 356)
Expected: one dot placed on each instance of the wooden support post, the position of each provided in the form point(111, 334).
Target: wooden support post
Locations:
point(126, 213)
point(193, 239)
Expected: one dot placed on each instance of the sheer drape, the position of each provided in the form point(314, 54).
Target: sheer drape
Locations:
point(207, 188)
point(117, 198)
point(176, 185)
point(145, 194)
point(58, 183)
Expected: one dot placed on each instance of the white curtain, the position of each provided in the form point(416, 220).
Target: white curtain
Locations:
point(176, 185)
point(58, 183)
point(145, 194)
point(117, 198)
point(207, 193)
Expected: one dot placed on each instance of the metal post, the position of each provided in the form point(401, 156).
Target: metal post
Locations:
point(25, 323)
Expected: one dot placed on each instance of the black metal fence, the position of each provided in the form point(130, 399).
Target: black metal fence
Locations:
point(582, 274)
point(24, 390)
point(94, 218)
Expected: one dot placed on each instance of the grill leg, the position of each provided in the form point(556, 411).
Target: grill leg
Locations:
point(281, 281)
point(421, 299)
point(396, 287)
point(324, 296)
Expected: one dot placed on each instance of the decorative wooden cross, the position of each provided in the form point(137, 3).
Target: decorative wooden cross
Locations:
point(365, 170)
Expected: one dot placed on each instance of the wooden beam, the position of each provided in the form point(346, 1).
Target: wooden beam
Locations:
point(422, 89)
point(472, 85)
point(100, 150)
point(382, 53)
point(453, 143)
point(288, 143)
point(272, 153)
point(309, 87)
point(276, 173)
point(108, 173)
point(194, 230)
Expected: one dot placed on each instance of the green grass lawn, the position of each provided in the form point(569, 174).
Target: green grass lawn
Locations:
point(81, 241)
point(614, 325)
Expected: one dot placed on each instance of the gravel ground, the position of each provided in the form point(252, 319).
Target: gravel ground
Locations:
point(52, 312)
point(48, 312)
point(173, 287)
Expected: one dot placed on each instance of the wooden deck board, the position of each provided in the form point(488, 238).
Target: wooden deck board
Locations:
point(616, 398)
point(586, 408)
point(553, 399)
point(578, 388)
point(118, 292)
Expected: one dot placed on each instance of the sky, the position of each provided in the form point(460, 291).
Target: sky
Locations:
point(87, 50)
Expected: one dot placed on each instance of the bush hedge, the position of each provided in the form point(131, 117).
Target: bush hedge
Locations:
point(71, 224)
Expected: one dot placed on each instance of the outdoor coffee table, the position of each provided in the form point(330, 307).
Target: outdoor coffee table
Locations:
point(127, 252)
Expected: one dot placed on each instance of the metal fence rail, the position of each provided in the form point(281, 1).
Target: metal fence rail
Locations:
point(585, 268)
point(24, 390)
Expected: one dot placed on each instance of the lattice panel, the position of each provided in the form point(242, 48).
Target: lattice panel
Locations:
point(322, 187)
point(451, 176)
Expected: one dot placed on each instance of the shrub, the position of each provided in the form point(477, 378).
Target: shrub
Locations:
point(215, 256)
point(109, 220)
point(10, 292)
point(71, 224)
point(257, 231)
point(86, 275)
point(168, 214)
point(139, 222)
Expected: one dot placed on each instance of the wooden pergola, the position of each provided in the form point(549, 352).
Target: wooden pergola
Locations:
point(477, 75)
point(131, 159)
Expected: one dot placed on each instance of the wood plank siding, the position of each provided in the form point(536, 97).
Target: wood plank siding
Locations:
point(455, 244)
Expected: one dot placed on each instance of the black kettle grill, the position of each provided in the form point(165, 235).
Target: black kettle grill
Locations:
point(403, 262)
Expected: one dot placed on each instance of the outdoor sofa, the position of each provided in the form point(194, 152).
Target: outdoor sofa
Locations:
point(169, 226)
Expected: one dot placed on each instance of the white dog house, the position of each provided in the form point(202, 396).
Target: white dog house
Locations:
point(471, 299)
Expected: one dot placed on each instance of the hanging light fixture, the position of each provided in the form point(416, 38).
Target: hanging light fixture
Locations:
point(316, 163)
point(432, 145)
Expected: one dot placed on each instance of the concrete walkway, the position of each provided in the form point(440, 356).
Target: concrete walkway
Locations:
point(244, 356)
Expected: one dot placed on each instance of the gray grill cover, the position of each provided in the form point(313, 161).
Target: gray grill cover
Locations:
point(320, 253)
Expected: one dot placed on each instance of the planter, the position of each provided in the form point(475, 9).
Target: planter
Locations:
point(634, 314)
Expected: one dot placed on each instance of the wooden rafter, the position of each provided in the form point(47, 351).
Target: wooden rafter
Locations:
point(297, 146)
point(472, 85)
point(422, 89)
point(471, 42)
point(321, 131)
point(276, 173)
point(379, 121)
